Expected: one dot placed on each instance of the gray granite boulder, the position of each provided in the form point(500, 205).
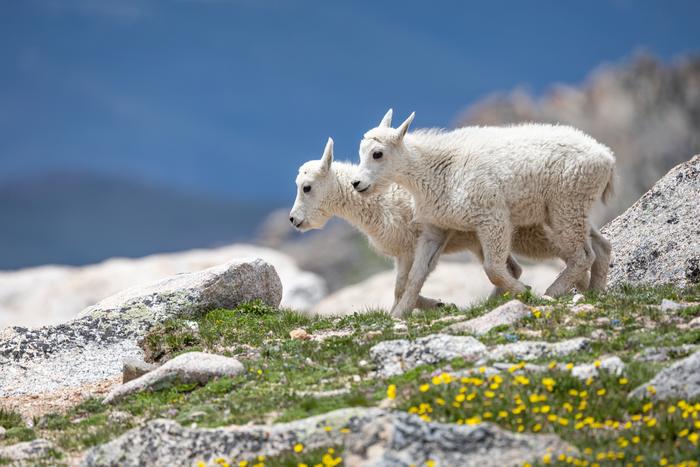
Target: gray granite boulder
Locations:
point(92, 347)
point(191, 367)
point(657, 240)
point(680, 380)
point(397, 356)
point(506, 314)
point(371, 436)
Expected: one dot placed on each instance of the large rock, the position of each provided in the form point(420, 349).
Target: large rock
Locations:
point(60, 292)
point(397, 356)
point(506, 314)
point(91, 347)
point(191, 367)
point(657, 240)
point(680, 380)
point(373, 437)
point(461, 284)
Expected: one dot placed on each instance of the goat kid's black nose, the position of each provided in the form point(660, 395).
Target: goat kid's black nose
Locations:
point(355, 184)
point(291, 219)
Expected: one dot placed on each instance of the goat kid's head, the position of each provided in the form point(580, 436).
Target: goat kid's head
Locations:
point(382, 152)
point(314, 183)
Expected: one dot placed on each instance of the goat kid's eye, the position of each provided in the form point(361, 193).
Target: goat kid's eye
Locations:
point(377, 154)
point(306, 189)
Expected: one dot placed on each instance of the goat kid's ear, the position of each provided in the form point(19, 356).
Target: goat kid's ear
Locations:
point(403, 129)
point(386, 121)
point(327, 158)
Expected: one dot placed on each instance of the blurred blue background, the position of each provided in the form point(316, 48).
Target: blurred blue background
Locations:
point(134, 126)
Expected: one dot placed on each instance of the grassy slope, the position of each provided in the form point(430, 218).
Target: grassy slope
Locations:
point(285, 376)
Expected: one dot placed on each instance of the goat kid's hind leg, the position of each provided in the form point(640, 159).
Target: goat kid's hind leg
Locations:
point(515, 270)
point(430, 244)
point(495, 237)
point(403, 267)
point(599, 269)
point(571, 235)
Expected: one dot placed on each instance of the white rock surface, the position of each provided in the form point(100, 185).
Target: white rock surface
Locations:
point(191, 367)
point(461, 284)
point(506, 314)
point(92, 347)
point(397, 356)
point(54, 294)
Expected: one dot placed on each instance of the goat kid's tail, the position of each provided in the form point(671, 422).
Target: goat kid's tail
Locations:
point(609, 190)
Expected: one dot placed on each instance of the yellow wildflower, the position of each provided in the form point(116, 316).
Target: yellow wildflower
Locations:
point(430, 463)
point(242, 463)
point(391, 391)
point(547, 459)
point(623, 381)
point(601, 392)
point(597, 364)
point(651, 389)
point(424, 387)
point(328, 428)
point(298, 447)
point(693, 438)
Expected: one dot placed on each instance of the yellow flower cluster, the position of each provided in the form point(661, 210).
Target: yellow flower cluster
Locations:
point(522, 404)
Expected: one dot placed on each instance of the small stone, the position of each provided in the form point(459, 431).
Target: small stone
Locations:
point(363, 363)
point(582, 308)
point(670, 305)
point(134, 368)
point(400, 326)
point(577, 298)
point(614, 365)
point(506, 314)
point(356, 378)
point(118, 416)
point(191, 367)
point(370, 335)
point(602, 321)
point(694, 323)
point(300, 334)
point(599, 335)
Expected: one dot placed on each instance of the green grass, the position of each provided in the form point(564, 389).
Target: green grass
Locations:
point(284, 376)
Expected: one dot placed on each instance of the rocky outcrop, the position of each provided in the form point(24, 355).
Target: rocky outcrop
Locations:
point(458, 283)
point(504, 315)
point(371, 437)
point(397, 356)
point(680, 380)
point(91, 347)
point(191, 367)
point(657, 240)
point(60, 292)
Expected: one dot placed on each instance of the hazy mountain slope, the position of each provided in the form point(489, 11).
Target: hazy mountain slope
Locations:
point(79, 218)
point(648, 112)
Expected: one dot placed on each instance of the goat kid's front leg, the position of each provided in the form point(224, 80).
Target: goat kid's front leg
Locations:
point(430, 244)
point(403, 267)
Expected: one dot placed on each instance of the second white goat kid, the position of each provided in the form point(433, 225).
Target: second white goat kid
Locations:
point(386, 218)
point(491, 180)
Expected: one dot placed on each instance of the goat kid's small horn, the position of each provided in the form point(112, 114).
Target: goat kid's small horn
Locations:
point(327, 158)
point(386, 121)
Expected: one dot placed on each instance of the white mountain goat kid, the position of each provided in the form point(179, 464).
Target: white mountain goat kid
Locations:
point(491, 180)
point(386, 218)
